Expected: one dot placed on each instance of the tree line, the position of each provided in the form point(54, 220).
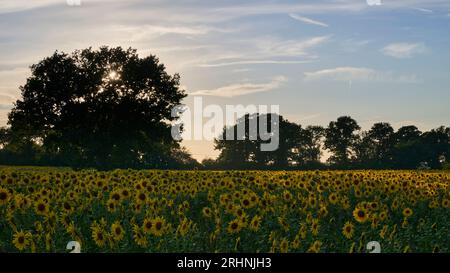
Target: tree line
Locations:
point(110, 108)
point(342, 141)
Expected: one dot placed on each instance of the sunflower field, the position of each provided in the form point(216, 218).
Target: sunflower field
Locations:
point(42, 209)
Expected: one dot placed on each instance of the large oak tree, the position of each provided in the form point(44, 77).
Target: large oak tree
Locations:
point(104, 108)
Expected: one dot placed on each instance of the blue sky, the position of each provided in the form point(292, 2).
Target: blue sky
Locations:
point(316, 59)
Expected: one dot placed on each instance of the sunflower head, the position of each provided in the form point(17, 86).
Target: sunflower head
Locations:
point(348, 230)
point(234, 226)
point(117, 231)
point(207, 212)
point(4, 196)
point(41, 207)
point(21, 240)
point(407, 212)
point(360, 215)
point(255, 223)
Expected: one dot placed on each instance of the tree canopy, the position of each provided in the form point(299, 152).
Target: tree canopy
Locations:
point(105, 108)
point(381, 147)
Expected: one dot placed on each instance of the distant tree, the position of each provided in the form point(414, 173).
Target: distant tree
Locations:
point(236, 153)
point(365, 151)
point(246, 152)
point(434, 145)
point(407, 133)
point(382, 136)
point(105, 108)
point(340, 139)
point(310, 145)
point(407, 147)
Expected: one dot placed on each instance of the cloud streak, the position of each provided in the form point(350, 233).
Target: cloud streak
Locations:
point(403, 50)
point(359, 74)
point(262, 50)
point(241, 89)
point(307, 20)
point(423, 10)
point(251, 62)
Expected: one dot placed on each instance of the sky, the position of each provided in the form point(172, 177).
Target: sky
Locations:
point(316, 59)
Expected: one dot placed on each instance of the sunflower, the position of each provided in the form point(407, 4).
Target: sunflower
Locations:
point(303, 231)
point(68, 208)
point(125, 193)
point(373, 206)
point(159, 226)
point(296, 242)
point(111, 205)
point(284, 245)
point(348, 230)
point(360, 215)
point(147, 226)
point(282, 221)
point(255, 223)
point(246, 203)
point(234, 226)
point(382, 216)
point(315, 227)
point(345, 203)
point(287, 196)
point(99, 236)
point(445, 203)
point(117, 231)
point(4, 196)
point(207, 212)
point(141, 197)
point(315, 247)
point(137, 208)
point(139, 237)
point(239, 212)
point(41, 208)
point(333, 198)
point(312, 202)
point(184, 226)
point(407, 212)
point(254, 199)
point(21, 240)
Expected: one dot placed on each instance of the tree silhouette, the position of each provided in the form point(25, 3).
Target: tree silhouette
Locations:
point(375, 147)
point(105, 108)
point(407, 148)
point(340, 139)
point(246, 151)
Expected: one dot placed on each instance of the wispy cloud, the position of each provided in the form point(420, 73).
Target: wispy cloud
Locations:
point(291, 47)
point(20, 5)
point(251, 62)
point(241, 70)
point(403, 50)
point(262, 50)
point(361, 74)
point(423, 10)
point(353, 45)
point(240, 89)
point(144, 33)
point(307, 20)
